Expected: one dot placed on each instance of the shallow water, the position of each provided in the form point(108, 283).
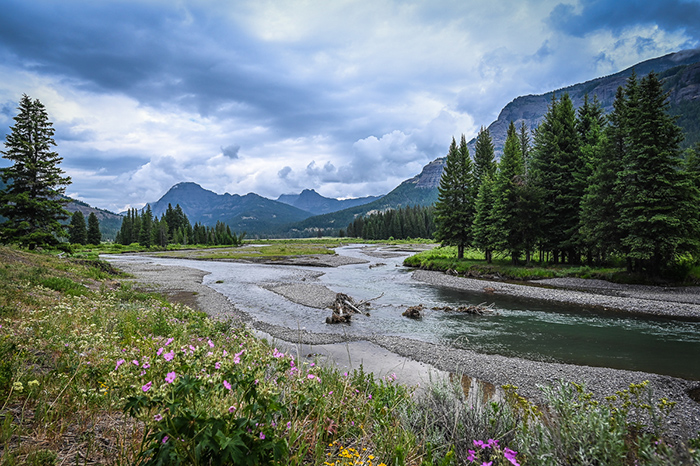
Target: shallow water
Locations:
point(526, 328)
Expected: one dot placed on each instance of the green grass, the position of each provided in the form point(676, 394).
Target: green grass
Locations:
point(474, 264)
point(125, 377)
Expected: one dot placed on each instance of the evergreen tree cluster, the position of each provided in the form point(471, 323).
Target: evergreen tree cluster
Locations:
point(80, 233)
point(172, 228)
point(403, 223)
point(590, 187)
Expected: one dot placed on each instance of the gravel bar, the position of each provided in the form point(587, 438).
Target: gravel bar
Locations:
point(658, 301)
point(185, 285)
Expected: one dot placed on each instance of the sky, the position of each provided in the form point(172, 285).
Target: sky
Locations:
point(349, 98)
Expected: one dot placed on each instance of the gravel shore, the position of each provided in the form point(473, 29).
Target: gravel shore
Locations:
point(185, 285)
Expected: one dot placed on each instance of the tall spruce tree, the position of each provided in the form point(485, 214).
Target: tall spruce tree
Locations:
point(77, 231)
point(484, 159)
point(505, 213)
point(589, 125)
point(146, 232)
point(454, 209)
point(556, 166)
point(484, 229)
point(657, 202)
point(94, 236)
point(31, 201)
point(599, 215)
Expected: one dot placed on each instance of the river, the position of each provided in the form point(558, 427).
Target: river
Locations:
point(536, 330)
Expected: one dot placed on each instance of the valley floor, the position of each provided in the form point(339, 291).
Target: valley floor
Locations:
point(416, 362)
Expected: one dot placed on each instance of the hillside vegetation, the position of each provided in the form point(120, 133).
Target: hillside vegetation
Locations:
point(94, 371)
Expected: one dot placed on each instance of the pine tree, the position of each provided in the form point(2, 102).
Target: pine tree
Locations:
point(77, 231)
point(505, 213)
point(484, 159)
point(454, 210)
point(94, 236)
point(599, 229)
point(657, 204)
point(484, 229)
point(146, 232)
point(31, 201)
point(556, 165)
point(589, 125)
point(524, 139)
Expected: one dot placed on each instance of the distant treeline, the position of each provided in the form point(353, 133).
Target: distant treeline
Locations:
point(403, 223)
point(172, 228)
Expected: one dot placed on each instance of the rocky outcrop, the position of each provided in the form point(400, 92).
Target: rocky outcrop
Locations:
point(679, 72)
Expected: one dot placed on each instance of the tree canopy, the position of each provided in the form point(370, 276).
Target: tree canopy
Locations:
point(31, 201)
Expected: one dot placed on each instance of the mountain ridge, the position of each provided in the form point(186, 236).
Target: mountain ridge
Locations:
point(530, 109)
point(311, 201)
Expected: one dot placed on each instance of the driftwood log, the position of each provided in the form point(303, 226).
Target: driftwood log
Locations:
point(344, 307)
point(414, 312)
point(479, 309)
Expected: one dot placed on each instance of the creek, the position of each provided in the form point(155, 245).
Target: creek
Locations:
point(531, 329)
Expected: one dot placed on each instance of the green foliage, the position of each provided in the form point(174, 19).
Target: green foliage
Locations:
point(77, 231)
point(31, 201)
point(402, 223)
point(64, 285)
point(454, 209)
point(93, 230)
point(658, 205)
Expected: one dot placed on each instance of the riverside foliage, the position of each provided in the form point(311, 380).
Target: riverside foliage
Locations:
point(125, 377)
point(590, 187)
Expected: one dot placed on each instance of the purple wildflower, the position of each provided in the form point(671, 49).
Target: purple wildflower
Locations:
point(510, 456)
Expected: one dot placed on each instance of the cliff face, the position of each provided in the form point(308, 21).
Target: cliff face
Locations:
point(429, 177)
point(679, 72)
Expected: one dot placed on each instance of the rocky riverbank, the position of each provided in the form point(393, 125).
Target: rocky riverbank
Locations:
point(185, 285)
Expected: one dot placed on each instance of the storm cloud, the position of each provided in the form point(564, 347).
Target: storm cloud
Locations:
point(347, 98)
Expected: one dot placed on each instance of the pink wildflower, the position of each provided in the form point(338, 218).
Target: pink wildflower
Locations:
point(231, 409)
point(165, 439)
point(237, 357)
point(311, 376)
point(211, 344)
point(158, 417)
point(227, 385)
point(472, 456)
point(217, 365)
point(170, 340)
point(160, 351)
point(169, 355)
point(510, 456)
point(170, 377)
point(146, 387)
point(262, 436)
point(119, 363)
point(135, 362)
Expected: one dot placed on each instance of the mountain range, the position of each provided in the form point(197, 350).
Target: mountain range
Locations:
point(308, 213)
point(680, 76)
point(311, 201)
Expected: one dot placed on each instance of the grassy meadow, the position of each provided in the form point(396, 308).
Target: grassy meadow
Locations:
point(94, 371)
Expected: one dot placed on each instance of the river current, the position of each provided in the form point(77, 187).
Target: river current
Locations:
point(536, 330)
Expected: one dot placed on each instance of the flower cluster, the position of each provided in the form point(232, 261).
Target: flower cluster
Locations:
point(490, 451)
